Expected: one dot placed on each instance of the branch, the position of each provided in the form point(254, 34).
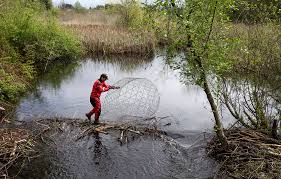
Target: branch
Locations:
point(211, 26)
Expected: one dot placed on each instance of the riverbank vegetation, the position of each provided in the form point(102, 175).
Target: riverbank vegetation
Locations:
point(135, 28)
point(30, 40)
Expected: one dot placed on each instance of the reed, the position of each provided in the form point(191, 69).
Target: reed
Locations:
point(108, 40)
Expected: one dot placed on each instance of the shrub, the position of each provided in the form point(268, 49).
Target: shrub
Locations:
point(132, 14)
point(29, 37)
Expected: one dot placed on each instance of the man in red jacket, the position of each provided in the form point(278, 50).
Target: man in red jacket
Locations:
point(98, 87)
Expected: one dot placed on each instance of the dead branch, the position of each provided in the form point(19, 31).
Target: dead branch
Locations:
point(248, 154)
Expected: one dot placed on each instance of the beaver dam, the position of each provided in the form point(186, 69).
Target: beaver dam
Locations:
point(73, 148)
point(251, 154)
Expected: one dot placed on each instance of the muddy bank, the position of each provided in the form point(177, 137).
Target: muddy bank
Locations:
point(98, 155)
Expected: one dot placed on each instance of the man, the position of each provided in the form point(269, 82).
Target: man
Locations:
point(98, 87)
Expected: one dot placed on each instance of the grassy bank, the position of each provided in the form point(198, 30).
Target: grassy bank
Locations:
point(30, 39)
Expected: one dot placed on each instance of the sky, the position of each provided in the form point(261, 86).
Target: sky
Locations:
point(89, 3)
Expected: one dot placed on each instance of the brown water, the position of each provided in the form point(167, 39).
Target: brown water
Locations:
point(64, 92)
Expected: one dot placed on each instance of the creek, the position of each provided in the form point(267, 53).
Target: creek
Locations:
point(63, 92)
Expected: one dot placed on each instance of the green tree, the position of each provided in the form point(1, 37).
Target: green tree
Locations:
point(256, 11)
point(78, 7)
point(198, 23)
point(131, 13)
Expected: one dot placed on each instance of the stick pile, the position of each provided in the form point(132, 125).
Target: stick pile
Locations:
point(251, 154)
point(125, 130)
point(14, 144)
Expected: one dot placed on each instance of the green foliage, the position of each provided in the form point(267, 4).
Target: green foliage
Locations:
point(55, 11)
point(78, 7)
point(158, 22)
point(47, 3)
point(132, 14)
point(29, 36)
point(201, 27)
point(11, 85)
point(259, 49)
point(249, 11)
point(218, 44)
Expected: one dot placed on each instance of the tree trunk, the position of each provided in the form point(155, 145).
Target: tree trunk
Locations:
point(218, 125)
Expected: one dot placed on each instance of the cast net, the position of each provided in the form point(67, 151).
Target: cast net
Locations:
point(136, 97)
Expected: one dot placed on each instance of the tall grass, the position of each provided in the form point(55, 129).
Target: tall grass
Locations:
point(106, 40)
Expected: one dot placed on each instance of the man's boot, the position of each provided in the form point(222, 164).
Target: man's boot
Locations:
point(97, 120)
point(88, 115)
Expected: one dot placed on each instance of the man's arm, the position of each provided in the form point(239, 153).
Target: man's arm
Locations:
point(110, 87)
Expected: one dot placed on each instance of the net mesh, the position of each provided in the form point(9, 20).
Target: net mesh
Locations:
point(137, 97)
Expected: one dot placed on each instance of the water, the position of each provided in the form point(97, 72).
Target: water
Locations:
point(64, 92)
point(102, 156)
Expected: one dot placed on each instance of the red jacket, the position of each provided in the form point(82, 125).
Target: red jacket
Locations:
point(98, 88)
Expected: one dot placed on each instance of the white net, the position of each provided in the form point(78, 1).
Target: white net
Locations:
point(136, 97)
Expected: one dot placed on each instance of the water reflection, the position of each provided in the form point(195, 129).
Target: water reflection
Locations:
point(126, 63)
point(97, 148)
point(252, 101)
point(58, 72)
